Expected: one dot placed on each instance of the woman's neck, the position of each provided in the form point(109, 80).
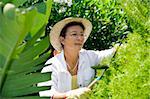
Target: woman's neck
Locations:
point(71, 57)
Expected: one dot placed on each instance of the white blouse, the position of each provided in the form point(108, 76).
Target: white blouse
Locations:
point(61, 78)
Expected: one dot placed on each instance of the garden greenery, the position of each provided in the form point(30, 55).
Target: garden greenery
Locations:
point(128, 75)
point(23, 45)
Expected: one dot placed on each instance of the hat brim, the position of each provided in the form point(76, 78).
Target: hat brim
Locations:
point(56, 30)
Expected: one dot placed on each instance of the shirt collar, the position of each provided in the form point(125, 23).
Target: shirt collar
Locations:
point(63, 61)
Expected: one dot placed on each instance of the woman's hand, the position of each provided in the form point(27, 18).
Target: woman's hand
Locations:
point(116, 46)
point(78, 93)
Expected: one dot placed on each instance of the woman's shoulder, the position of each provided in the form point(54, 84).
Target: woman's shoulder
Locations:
point(89, 52)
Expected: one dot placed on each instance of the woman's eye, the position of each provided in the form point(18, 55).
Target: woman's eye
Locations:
point(74, 34)
point(81, 34)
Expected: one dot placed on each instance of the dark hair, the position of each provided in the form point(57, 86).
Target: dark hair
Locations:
point(74, 23)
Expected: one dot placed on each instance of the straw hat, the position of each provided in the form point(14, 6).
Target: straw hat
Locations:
point(56, 30)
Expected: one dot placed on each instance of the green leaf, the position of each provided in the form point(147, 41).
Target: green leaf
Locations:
point(21, 64)
point(21, 84)
point(18, 2)
point(42, 18)
point(27, 66)
point(12, 32)
point(32, 41)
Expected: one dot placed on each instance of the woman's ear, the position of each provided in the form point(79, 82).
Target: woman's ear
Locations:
point(61, 40)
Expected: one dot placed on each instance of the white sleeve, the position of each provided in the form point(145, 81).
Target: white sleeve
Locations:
point(98, 56)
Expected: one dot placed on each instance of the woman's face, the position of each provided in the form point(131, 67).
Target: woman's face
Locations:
point(74, 38)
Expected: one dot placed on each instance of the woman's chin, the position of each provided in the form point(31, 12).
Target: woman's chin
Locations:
point(79, 48)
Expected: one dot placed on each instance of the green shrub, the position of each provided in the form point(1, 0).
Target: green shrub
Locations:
point(128, 75)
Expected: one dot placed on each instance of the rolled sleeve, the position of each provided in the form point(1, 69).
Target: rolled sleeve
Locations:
point(98, 56)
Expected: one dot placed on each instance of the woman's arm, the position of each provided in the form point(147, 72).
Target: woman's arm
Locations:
point(58, 95)
point(106, 55)
point(98, 57)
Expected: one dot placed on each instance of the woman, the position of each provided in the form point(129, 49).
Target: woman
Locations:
point(71, 68)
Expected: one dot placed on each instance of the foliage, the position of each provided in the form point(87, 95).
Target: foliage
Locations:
point(138, 12)
point(128, 75)
point(22, 3)
point(109, 21)
point(21, 61)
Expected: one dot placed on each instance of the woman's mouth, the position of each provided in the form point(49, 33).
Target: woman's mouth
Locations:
point(79, 44)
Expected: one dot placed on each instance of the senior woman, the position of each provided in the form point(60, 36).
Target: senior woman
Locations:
point(71, 68)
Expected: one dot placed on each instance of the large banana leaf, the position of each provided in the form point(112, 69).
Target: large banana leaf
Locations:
point(21, 62)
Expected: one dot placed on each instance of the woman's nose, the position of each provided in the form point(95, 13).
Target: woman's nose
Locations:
point(80, 37)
